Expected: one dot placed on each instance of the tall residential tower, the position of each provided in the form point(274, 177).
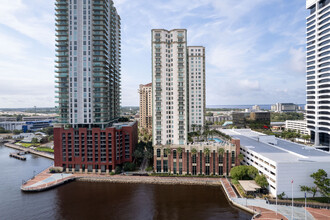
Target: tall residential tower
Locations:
point(145, 92)
point(196, 75)
point(318, 71)
point(88, 81)
point(178, 84)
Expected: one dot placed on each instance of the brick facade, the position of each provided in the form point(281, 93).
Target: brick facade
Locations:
point(233, 146)
point(94, 150)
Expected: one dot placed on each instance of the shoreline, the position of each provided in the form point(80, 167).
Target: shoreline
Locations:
point(150, 180)
point(16, 147)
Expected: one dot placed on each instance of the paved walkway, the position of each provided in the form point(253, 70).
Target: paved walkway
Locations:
point(319, 214)
point(298, 212)
point(228, 187)
point(45, 180)
point(267, 214)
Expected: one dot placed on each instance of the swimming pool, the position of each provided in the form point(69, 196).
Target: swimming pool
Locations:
point(216, 140)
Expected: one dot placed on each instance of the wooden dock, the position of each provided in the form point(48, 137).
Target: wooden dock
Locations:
point(17, 156)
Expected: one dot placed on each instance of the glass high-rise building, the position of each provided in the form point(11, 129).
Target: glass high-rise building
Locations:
point(88, 66)
point(318, 71)
point(88, 40)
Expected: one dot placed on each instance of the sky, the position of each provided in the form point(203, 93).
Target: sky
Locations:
point(255, 49)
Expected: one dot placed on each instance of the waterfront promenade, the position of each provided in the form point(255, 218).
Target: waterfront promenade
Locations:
point(38, 153)
point(258, 207)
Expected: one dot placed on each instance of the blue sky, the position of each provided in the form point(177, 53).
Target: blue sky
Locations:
point(255, 49)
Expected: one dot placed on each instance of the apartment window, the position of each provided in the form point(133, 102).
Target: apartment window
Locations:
point(159, 166)
point(194, 158)
point(220, 170)
point(174, 167)
point(165, 166)
point(233, 157)
point(220, 159)
point(158, 152)
point(174, 154)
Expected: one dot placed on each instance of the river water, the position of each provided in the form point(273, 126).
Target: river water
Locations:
point(80, 200)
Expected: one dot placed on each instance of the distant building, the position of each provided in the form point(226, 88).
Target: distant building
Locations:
point(245, 118)
point(256, 108)
point(145, 92)
point(197, 164)
point(284, 107)
point(12, 125)
point(297, 125)
point(6, 119)
point(39, 118)
point(218, 118)
point(280, 161)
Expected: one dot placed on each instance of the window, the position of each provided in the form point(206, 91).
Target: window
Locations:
point(165, 166)
point(174, 154)
point(159, 166)
point(165, 154)
point(194, 170)
point(220, 170)
point(158, 152)
point(207, 170)
point(220, 159)
point(174, 167)
point(194, 158)
point(207, 159)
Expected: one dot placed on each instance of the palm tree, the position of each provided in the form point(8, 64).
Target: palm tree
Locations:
point(193, 127)
point(206, 152)
point(221, 151)
point(193, 151)
point(179, 150)
point(240, 157)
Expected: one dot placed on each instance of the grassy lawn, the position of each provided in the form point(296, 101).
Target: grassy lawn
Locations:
point(45, 149)
point(27, 145)
point(316, 199)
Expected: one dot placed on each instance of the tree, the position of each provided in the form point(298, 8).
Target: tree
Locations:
point(241, 157)
point(322, 182)
point(206, 152)
point(221, 151)
point(17, 131)
point(34, 141)
point(261, 180)
point(244, 172)
point(179, 150)
point(193, 127)
point(193, 151)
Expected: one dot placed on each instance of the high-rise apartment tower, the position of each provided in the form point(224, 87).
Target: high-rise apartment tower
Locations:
point(145, 92)
point(87, 139)
point(196, 80)
point(88, 64)
point(178, 84)
point(318, 71)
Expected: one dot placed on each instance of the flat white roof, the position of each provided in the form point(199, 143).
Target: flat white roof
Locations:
point(283, 151)
point(309, 3)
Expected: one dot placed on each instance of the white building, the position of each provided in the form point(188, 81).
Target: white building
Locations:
point(256, 108)
point(11, 125)
point(196, 80)
point(281, 161)
point(284, 107)
point(318, 71)
point(297, 125)
point(178, 86)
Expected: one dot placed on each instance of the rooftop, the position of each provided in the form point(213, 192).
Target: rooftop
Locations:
point(277, 149)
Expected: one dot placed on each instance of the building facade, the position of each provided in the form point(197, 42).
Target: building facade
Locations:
point(88, 62)
point(88, 36)
point(145, 119)
point(196, 80)
point(318, 71)
point(194, 159)
point(280, 161)
point(178, 85)
point(94, 150)
point(297, 125)
point(170, 87)
point(284, 107)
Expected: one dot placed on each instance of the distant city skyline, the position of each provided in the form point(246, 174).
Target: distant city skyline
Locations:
point(255, 51)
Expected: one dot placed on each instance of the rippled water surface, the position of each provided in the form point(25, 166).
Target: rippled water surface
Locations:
point(80, 200)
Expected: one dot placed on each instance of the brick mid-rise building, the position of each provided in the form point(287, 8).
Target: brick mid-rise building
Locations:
point(180, 159)
point(94, 150)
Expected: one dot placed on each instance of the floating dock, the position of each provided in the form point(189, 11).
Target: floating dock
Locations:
point(17, 156)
